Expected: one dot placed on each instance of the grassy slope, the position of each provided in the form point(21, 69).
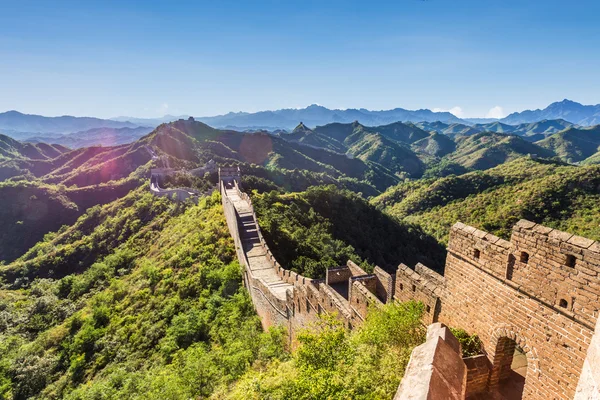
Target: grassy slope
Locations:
point(564, 197)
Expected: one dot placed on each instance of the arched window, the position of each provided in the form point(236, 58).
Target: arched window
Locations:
point(524, 257)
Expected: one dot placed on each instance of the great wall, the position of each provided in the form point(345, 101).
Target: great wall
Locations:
point(536, 295)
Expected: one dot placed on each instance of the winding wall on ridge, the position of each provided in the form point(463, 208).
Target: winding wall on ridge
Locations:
point(283, 297)
point(539, 291)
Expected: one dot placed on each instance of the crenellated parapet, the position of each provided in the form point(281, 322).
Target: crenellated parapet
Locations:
point(556, 268)
point(420, 284)
point(538, 292)
point(347, 291)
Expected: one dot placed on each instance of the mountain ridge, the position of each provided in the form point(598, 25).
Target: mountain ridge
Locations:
point(571, 111)
point(16, 121)
point(315, 115)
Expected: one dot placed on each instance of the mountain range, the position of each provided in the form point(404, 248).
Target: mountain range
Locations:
point(533, 131)
point(77, 132)
point(314, 115)
point(102, 279)
point(568, 110)
point(19, 122)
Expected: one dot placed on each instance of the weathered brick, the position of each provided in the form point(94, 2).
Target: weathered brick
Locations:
point(581, 241)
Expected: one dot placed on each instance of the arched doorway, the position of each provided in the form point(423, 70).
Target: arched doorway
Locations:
point(509, 369)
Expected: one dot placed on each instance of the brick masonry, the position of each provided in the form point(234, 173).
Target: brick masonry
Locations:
point(539, 291)
point(283, 297)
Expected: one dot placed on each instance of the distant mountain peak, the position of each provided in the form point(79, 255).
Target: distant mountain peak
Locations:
point(568, 110)
point(301, 128)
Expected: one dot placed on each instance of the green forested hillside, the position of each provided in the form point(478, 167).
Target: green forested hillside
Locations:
point(324, 227)
point(110, 292)
point(333, 363)
point(10, 148)
point(387, 145)
point(377, 148)
point(487, 150)
point(436, 144)
point(556, 195)
point(306, 136)
point(157, 314)
point(30, 209)
point(44, 194)
point(574, 144)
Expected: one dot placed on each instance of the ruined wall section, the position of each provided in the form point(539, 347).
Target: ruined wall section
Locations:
point(362, 296)
point(385, 285)
point(338, 275)
point(435, 369)
point(424, 287)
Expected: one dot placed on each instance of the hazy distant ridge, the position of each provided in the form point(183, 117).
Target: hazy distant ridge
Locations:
point(16, 121)
point(568, 110)
point(315, 115)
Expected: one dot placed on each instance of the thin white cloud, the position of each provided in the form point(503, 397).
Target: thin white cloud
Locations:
point(162, 109)
point(495, 112)
point(456, 111)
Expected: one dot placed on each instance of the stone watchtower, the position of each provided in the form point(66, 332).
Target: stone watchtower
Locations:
point(230, 175)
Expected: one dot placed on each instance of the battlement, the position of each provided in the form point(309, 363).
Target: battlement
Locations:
point(435, 369)
point(555, 267)
point(362, 295)
point(420, 284)
point(539, 291)
point(229, 174)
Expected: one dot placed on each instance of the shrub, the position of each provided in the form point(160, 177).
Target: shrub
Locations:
point(470, 344)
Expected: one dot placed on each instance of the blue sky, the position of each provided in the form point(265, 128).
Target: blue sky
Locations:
point(152, 58)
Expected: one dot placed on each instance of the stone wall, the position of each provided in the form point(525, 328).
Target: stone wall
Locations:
point(179, 194)
point(588, 387)
point(539, 291)
point(478, 371)
point(435, 370)
point(362, 295)
point(338, 275)
point(352, 293)
point(384, 285)
point(411, 285)
point(483, 296)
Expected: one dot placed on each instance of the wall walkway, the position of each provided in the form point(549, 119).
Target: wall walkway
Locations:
point(540, 292)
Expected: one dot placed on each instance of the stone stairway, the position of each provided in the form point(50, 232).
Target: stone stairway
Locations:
point(259, 265)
